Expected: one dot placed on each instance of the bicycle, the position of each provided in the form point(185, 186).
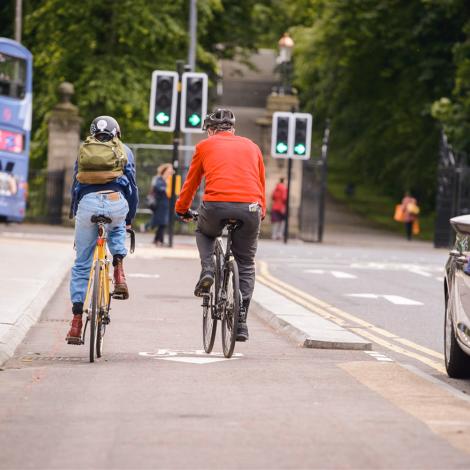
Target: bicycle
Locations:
point(223, 301)
point(98, 297)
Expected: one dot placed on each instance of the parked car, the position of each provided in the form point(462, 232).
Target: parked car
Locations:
point(457, 302)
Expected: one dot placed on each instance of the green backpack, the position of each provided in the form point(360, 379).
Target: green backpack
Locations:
point(101, 162)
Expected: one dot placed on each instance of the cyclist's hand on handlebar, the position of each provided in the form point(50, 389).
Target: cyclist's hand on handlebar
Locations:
point(129, 227)
point(188, 215)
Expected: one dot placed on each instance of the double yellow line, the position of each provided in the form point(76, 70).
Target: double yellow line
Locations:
point(382, 337)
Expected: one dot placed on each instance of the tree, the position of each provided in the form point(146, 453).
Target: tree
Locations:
point(375, 67)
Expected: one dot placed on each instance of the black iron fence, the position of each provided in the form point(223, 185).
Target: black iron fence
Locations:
point(312, 205)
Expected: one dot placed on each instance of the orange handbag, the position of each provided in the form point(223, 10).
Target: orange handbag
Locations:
point(399, 216)
point(415, 228)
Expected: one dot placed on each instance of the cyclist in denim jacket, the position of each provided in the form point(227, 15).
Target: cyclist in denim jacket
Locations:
point(117, 200)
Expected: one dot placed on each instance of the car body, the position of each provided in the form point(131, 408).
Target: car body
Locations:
point(457, 302)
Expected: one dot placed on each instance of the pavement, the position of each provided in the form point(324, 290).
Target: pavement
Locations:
point(30, 273)
point(316, 386)
point(155, 400)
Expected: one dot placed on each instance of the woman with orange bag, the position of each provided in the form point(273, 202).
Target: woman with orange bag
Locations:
point(410, 211)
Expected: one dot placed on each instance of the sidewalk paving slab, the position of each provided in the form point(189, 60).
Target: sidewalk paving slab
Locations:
point(30, 273)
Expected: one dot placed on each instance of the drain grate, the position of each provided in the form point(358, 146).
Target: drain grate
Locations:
point(55, 320)
point(53, 358)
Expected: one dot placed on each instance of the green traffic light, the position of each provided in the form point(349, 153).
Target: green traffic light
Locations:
point(194, 120)
point(162, 118)
point(281, 147)
point(300, 149)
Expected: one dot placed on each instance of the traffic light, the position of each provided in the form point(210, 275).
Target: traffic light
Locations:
point(280, 137)
point(193, 101)
point(163, 101)
point(302, 136)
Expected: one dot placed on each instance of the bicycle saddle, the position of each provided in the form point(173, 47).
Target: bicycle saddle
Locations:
point(232, 223)
point(100, 219)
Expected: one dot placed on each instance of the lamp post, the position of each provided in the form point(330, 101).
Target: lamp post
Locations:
point(286, 45)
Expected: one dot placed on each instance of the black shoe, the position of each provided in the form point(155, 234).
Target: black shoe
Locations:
point(242, 332)
point(204, 284)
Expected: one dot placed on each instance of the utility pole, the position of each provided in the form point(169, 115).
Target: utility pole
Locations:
point(18, 20)
point(175, 156)
point(192, 67)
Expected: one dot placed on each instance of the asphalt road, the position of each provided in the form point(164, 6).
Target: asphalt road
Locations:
point(156, 401)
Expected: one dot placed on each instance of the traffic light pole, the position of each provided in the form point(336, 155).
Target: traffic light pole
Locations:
point(289, 176)
point(175, 156)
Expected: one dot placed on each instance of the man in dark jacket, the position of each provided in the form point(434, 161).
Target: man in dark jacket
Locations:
point(117, 200)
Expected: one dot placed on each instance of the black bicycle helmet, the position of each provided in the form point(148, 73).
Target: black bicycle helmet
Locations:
point(220, 119)
point(105, 126)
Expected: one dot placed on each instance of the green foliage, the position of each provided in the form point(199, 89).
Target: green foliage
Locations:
point(375, 67)
point(109, 49)
point(453, 110)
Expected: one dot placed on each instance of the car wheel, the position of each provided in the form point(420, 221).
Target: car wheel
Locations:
point(457, 362)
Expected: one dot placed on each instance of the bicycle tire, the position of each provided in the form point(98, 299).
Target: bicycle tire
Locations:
point(94, 310)
point(232, 309)
point(104, 310)
point(209, 320)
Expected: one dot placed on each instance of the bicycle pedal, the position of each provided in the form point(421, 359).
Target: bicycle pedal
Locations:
point(74, 341)
point(118, 296)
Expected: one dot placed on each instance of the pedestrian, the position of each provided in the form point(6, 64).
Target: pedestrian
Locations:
point(161, 205)
point(235, 189)
point(278, 210)
point(97, 190)
point(410, 211)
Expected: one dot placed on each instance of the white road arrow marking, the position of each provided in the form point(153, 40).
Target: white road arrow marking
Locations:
point(364, 296)
point(341, 275)
point(337, 274)
point(394, 299)
point(398, 300)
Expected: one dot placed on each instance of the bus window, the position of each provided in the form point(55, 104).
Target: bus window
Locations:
point(12, 76)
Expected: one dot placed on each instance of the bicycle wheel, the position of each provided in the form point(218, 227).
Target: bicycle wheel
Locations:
point(94, 310)
point(231, 310)
point(103, 317)
point(209, 319)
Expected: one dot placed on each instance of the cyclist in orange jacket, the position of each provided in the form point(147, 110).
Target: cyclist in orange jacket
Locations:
point(235, 189)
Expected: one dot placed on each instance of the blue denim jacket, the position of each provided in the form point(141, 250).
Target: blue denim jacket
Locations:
point(126, 184)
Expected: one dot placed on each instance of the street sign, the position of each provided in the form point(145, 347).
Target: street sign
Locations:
point(291, 135)
point(163, 101)
point(193, 101)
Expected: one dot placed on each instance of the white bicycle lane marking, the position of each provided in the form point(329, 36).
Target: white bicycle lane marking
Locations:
point(197, 356)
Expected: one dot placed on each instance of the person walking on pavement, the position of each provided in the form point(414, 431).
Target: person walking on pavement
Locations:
point(235, 189)
point(410, 210)
point(97, 190)
point(278, 210)
point(160, 216)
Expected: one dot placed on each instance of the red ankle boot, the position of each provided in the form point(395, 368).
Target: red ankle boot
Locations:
point(120, 286)
point(74, 336)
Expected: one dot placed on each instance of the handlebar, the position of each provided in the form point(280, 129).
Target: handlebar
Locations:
point(190, 214)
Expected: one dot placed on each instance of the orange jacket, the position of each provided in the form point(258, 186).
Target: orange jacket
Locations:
point(234, 171)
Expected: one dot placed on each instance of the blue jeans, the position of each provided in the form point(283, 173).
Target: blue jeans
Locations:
point(86, 233)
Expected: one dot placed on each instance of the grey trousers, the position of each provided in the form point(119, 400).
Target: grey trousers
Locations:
point(244, 239)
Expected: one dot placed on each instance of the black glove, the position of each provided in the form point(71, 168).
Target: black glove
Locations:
point(188, 215)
